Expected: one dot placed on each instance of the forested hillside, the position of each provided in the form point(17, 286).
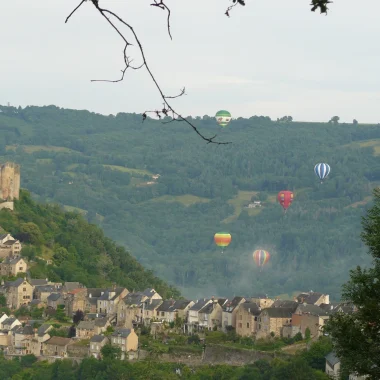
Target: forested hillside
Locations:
point(102, 166)
point(78, 250)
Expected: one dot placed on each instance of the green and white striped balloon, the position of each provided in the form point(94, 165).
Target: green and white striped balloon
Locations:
point(223, 118)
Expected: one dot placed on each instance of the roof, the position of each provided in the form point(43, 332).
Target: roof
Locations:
point(153, 304)
point(59, 341)
point(86, 325)
point(332, 358)
point(251, 307)
point(181, 304)
point(124, 333)
point(309, 297)
point(9, 242)
point(97, 338)
point(117, 291)
point(42, 330)
point(72, 285)
point(12, 260)
point(38, 281)
point(46, 288)
point(312, 309)
point(230, 306)
point(9, 321)
point(222, 301)
point(26, 330)
point(168, 305)
point(208, 309)
point(101, 322)
point(95, 292)
point(54, 297)
point(280, 312)
point(3, 236)
point(133, 298)
point(36, 301)
point(200, 304)
point(286, 303)
point(149, 292)
point(15, 283)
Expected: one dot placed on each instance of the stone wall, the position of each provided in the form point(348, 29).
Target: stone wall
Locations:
point(77, 351)
point(9, 181)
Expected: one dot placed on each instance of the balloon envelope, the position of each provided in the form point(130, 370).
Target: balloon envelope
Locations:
point(222, 239)
point(285, 198)
point(261, 257)
point(223, 118)
point(322, 170)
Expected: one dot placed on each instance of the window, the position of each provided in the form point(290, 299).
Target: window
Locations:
point(24, 289)
point(158, 313)
point(240, 325)
point(162, 313)
point(240, 317)
point(247, 325)
point(20, 268)
point(256, 319)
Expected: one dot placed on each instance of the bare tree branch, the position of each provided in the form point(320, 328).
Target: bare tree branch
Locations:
point(110, 17)
point(163, 6)
point(67, 18)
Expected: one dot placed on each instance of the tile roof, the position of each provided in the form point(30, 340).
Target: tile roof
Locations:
point(9, 242)
point(124, 333)
point(208, 309)
point(311, 309)
point(199, 304)
point(280, 312)
point(153, 305)
point(309, 297)
point(251, 307)
point(86, 325)
point(43, 329)
point(286, 303)
point(54, 297)
point(71, 286)
point(167, 306)
point(38, 281)
point(59, 341)
point(98, 338)
point(332, 358)
point(230, 306)
point(15, 283)
point(9, 321)
point(101, 322)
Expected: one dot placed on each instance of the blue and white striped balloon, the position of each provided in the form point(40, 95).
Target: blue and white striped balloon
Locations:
point(322, 170)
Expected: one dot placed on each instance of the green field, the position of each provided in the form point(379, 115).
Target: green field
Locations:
point(38, 148)
point(139, 172)
point(186, 200)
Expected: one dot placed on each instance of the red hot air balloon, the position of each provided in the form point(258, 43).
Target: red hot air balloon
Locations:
point(285, 198)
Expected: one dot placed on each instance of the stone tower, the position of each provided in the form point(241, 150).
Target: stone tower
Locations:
point(9, 181)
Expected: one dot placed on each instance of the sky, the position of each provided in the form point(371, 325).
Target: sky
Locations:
point(271, 57)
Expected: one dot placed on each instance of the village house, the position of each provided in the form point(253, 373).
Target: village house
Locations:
point(87, 329)
point(37, 303)
point(108, 301)
point(9, 323)
point(229, 312)
point(272, 320)
point(17, 293)
point(313, 298)
point(150, 310)
point(126, 339)
point(54, 300)
point(130, 308)
point(247, 315)
point(6, 325)
point(42, 292)
point(35, 344)
point(96, 344)
point(169, 310)
point(70, 286)
point(12, 265)
point(332, 365)
point(75, 300)
point(9, 246)
point(192, 325)
point(210, 316)
point(21, 337)
point(261, 300)
point(57, 346)
point(309, 316)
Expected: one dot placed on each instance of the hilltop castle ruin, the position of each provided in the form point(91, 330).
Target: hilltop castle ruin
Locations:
point(9, 184)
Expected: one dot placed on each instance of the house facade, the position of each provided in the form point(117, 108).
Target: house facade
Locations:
point(246, 319)
point(126, 339)
point(229, 311)
point(12, 265)
point(17, 293)
point(57, 346)
point(272, 320)
point(96, 344)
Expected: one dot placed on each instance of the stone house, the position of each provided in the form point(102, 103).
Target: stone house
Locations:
point(37, 303)
point(247, 315)
point(210, 315)
point(75, 300)
point(313, 298)
point(5, 339)
point(42, 292)
point(36, 342)
point(12, 265)
point(9, 246)
point(85, 329)
point(261, 300)
point(332, 365)
point(150, 310)
point(170, 309)
point(9, 323)
point(193, 315)
point(109, 299)
point(70, 286)
point(21, 337)
point(229, 312)
point(54, 300)
point(96, 344)
point(130, 308)
point(272, 320)
point(309, 316)
point(17, 293)
point(126, 339)
point(57, 346)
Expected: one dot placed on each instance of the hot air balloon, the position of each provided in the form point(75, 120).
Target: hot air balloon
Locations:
point(285, 198)
point(223, 118)
point(322, 171)
point(222, 239)
point(261, 257)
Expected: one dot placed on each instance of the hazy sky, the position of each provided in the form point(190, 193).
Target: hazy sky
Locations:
point(267, 59)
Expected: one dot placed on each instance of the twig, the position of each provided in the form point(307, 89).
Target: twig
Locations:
point(163, 6)
point(67, 18)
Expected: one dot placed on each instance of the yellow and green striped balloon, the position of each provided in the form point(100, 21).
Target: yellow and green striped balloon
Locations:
point(223, 118)
point(222, 239)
